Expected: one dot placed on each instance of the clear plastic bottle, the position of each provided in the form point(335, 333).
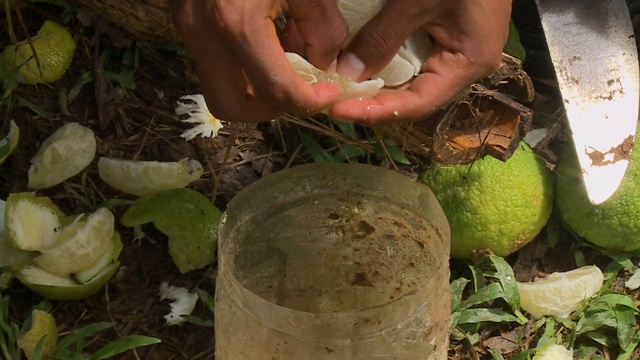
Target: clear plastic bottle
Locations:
point(333, 261)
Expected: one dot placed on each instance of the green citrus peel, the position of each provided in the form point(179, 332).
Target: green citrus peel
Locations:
point(56, 256)
point(42, 325)
point(9, 142)
point(54, 48)
point(187, 217)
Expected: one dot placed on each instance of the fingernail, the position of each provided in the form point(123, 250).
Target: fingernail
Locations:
point(333, 66)
point(350, 66)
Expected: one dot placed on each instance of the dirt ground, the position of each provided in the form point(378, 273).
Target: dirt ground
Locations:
point(130, 107)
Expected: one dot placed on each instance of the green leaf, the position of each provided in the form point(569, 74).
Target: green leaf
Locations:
point(84, 79)
point(631, 348)
point(314, 149)
point(123, 344)
point(488, 293)
point(475, 316)
point(347, 127)
point(33, 107)
point(457, 288)
point(613, 300)
point(513, 46)
point(626, 321)
point(594, 321)
point(396, 153)
point(206, 299)
point(80, 334)
point(496, 355)
point(198, 321)
point(548, 336)
point(348, 152)
point(504, 273)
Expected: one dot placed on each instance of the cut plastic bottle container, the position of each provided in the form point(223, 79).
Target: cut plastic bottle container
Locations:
point(333, 261)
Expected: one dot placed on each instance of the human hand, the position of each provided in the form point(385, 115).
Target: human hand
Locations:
point(467, 35)
point(242, 67)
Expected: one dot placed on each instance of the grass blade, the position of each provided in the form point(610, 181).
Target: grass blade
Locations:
point(123, 344)
point(314, 149)
point(80, 334)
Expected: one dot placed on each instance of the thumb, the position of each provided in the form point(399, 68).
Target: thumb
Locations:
point(377, 42)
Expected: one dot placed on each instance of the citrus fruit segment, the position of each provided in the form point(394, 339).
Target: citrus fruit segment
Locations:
point(43, 324)
point(553, 352)
point(54, 48)
point(187, 217)
point(9, 142)
point(109, 256)
point(32, 223)
point(350, 89)
point(561, 293)
point(407, 63)
point(146, 177)
point(63, 288)
point(62, 155)
point(494, 205)
point(615, 223)
point(80, 244)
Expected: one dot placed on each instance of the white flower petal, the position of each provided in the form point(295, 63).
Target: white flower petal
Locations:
point(198, 113)
point(183, 304)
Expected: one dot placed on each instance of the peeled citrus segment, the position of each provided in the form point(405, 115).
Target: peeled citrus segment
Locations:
point(187, 217)
point(350, 89)
point(146, 177)
point(561, 293)
point(32, 223)
point(553, 352)
point(54, 47)
point(63, 288)
point(43, 324)
point(64, 154)
point(407, 63)
point(80, 244)
point(108, 257)
point(9, 142)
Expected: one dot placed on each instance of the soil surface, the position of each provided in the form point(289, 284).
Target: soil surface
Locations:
point(129, 104)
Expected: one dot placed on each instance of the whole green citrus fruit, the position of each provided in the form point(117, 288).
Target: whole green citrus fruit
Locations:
point(493, 205)
point(54, 47)
point(615, 223)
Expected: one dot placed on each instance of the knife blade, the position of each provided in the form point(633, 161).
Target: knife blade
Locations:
point(595, 57)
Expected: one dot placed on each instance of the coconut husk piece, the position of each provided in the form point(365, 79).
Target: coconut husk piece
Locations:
point(489, 119)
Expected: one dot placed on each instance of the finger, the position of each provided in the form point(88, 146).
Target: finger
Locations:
point(262, 58)
point(323, 30)
point(290, 38)
point(379, 40)
point(223, 82)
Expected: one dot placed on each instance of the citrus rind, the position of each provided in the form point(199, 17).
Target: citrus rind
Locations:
point(61, 288)
point(553, 352)
point(9, 142)
point(64, 154)
point(85, 275)
point(43, 324)
point(187, 217)
point(80, 244)
point(145, 177)
point(54, 47)
point(32, 223)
